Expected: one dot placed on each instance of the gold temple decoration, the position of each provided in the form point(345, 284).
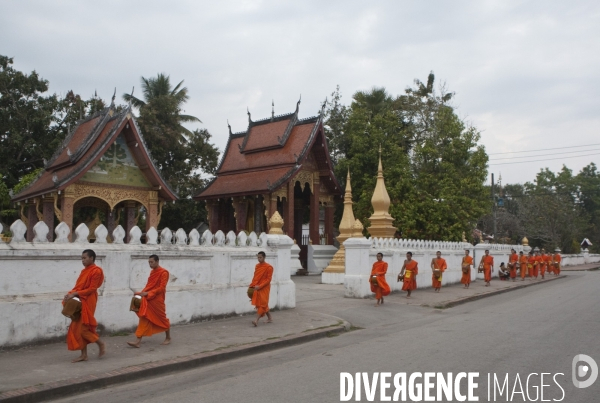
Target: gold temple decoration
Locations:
point(23, 217)
point(338, 263)
point(57, 211)
point(357, 229)
point(40, 216)
point(464, 239)
point(525, 241)
point(160, 208)
point(381, 220)
point(276, 224)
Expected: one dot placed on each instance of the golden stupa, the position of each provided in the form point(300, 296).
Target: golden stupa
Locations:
point(338, 263)
point(381, 220)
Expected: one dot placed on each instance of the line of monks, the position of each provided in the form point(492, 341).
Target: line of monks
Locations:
point(531, 265)
point(149, 304)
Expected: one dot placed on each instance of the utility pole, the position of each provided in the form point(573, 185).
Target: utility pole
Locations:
point(494, 208)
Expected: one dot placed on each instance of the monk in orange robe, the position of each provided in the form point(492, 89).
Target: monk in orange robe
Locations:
point(381, 287)
point(263, 272)
point(557, 258)
point(487, 262)
point(468, 262)
point(536, 264)
point(513, 260)
point(440, 264)
point(530, 264)
point(522, 265)
point(543, 263)
point(152, 313)
point(83, 331)
point(410, 269)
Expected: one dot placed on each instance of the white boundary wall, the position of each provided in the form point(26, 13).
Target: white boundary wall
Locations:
point(361, 253)
point(206, 280)
point(583, 258)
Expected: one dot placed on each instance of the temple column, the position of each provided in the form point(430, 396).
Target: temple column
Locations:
point(240, 205)
point(152, 210)
point(66, 207)
point(313, 226)
point(48, 213)
point(212, 209)
point(329, 209)
point(32, 219)
point(288, 212)
point(258, 214)
point(130, 211)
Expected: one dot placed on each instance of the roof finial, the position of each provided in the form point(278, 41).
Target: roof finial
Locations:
point(229, 126)
point(298, 104)
point(272, 109)
point(95, 94)
point(114, 96)
point(249, 116)
point(322, 111)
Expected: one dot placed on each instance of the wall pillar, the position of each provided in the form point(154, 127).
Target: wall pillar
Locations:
point(111, 224)
point(48, 213)
point(329, 210)
point(313, 226)
point(152, 210)
point(258, 214)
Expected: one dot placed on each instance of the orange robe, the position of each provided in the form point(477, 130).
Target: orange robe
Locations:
point(83, 332)
point(523, 262)
point(544, 260)
point(263, 272)
point(536, 266)
point(547, 263)
point(438, 264)
point(466, 277)
point(514, 258)
point(410, 276)
point(557, 259)
point(488, 263)
point(382, 288)
point(152, 313)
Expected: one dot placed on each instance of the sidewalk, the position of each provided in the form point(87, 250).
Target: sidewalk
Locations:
point(48, 367)
point(581, 267)
point(43, 372)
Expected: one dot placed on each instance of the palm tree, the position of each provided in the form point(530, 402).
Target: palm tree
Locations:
point(375, 100)
point(157, 87)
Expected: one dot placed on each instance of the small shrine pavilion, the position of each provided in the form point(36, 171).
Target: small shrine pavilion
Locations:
point(103, 164)
point(277, 164)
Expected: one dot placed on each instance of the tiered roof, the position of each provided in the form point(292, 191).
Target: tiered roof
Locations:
point(268, 154)
point(86, 144)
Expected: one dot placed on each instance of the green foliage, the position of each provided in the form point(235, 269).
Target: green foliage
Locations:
point(180, 154)
point(434, 168)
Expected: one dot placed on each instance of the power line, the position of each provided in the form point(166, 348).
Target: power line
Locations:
point(544, 149)
point(545, 155)
point(523, 162)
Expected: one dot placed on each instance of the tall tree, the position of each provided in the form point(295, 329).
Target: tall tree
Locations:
point(182, 155)
point(434, 167)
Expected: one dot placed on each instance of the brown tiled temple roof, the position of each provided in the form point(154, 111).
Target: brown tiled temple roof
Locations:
point(84, 146)
point(267, 155)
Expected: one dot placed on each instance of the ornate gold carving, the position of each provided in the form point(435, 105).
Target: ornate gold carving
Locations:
point(40, 216)
point(112, 196)
point(137, 216)
point(23, 217)
point(276, 224)
point(281, 192)
point(381, 220)
point(357, 229)
point(304, 177)
point(160, 208)
point(326, 200)
point(57, 211)
point(525, 241)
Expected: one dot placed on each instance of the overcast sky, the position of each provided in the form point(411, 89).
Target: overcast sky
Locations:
point(525, 73)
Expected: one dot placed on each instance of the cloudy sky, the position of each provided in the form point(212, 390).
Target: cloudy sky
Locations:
point(526, 73)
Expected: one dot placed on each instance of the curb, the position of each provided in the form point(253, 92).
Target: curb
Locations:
point(492, 293)
point(60, 389)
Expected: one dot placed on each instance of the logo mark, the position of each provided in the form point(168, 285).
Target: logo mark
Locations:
point(580, 370)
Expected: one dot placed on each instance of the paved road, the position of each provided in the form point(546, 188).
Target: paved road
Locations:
point(533, 330)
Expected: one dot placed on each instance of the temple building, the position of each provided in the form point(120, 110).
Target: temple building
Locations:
point(104, 167)
point(277, 164)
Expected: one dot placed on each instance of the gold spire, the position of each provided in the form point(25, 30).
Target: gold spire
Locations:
point(276, 224)
point(338, 263)
point(381, 220)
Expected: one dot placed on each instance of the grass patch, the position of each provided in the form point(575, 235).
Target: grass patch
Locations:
point(353, 328)
point(331, 334)
point(273, 338)
point(440, 307)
